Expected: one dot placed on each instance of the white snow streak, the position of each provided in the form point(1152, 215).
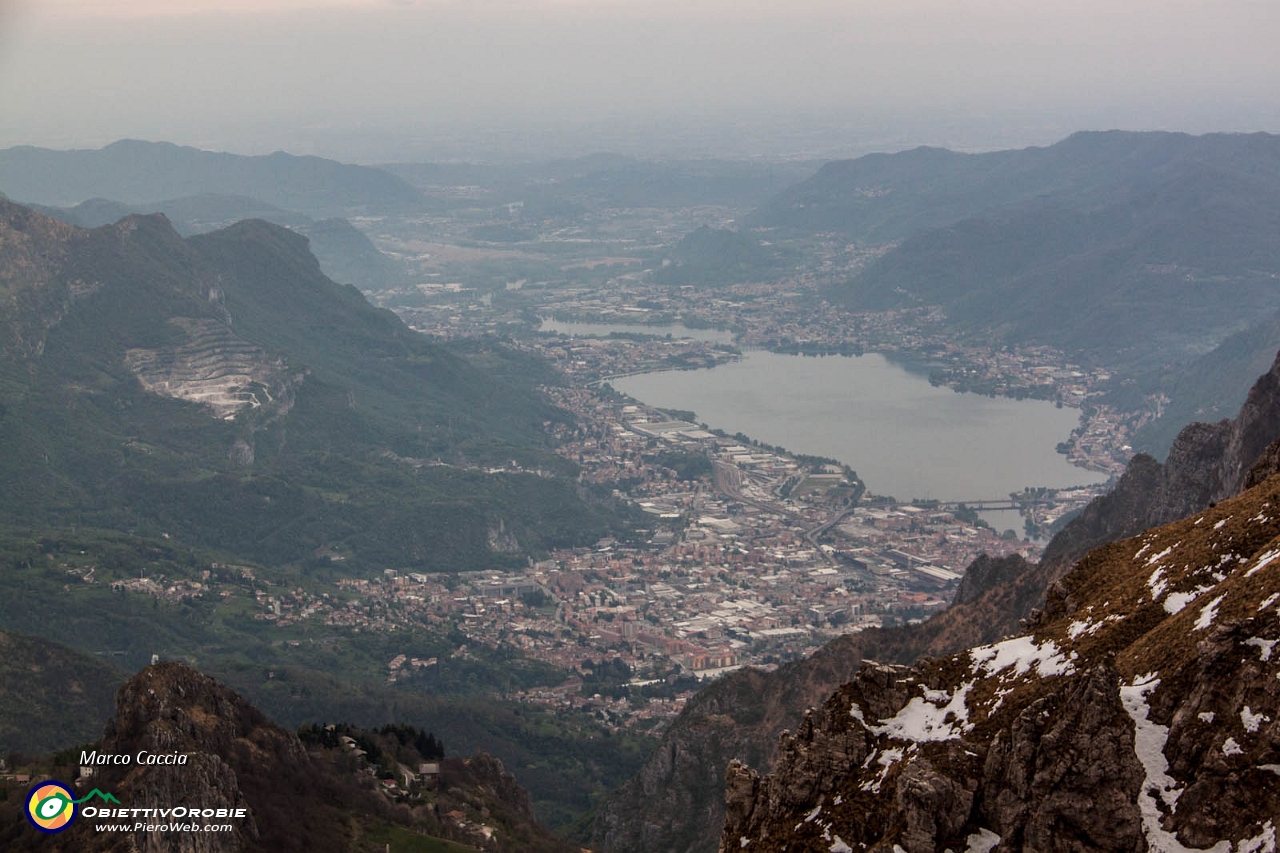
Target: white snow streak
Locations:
point(1208, 613)
point(1263, 561)
point(1157, 585)
point(886, 761)
point(1149, 739)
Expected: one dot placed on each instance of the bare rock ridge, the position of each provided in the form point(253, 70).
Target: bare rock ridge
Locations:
point(1140, 711)
point(672, 804)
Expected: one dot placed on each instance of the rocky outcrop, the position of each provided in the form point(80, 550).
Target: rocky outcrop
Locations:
point(986, 573)
point(1140, 712)
point(1065, 773)
point(234, 758)
point(1266, 465)
point(671, 804)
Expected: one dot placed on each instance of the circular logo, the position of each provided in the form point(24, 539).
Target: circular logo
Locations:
point(51, 806)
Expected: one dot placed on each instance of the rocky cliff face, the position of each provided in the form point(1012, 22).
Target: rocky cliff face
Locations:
point(1141, 711)
point(672, 803)
point(32, 296)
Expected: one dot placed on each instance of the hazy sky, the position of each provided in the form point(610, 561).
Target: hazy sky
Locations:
point(391, 79)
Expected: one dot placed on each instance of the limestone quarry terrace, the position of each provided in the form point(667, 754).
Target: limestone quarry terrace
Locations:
point(1178, 625)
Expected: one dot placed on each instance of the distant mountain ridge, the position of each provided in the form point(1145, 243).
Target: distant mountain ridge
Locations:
point(1150, 254)
point(346, 255)
point(1139, 281)
point(603, 180)
point(134, 171)
point(884, 197)
point(188, 215)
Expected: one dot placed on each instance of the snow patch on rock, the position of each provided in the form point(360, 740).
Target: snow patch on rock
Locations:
point(1208, 613)
point(1265, 647)
point(982, 841)
point(925, 719)
point(1263, 842)
point(1021, 653)
point(1252, 721)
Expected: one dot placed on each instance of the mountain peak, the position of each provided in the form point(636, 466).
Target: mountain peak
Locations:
point(170, 706)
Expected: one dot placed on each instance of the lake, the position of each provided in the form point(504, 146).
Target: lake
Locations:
point(903, 436)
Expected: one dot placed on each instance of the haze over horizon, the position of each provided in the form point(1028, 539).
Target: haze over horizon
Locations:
point(380, 80)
